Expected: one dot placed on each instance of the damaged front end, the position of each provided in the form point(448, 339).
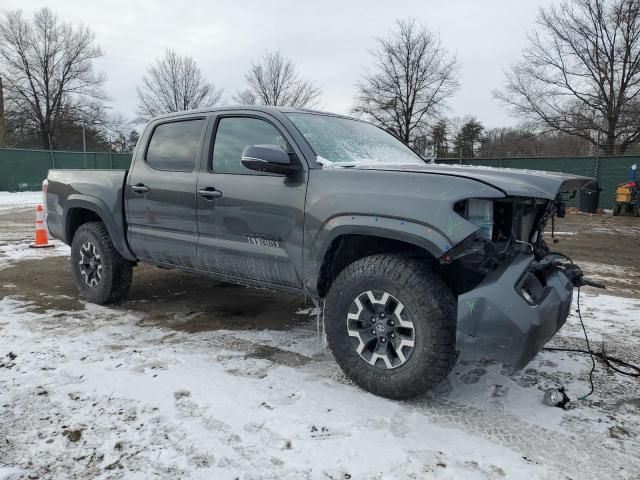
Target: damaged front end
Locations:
point(514, 294)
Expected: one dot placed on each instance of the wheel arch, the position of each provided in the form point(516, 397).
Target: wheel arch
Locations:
point(80, 209)
point(345, 239)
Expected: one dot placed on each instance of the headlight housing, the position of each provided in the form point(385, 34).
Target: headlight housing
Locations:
point(478, 211)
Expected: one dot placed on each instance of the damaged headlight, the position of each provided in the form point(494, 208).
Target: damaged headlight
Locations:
point(503, 220)
point(479, 212)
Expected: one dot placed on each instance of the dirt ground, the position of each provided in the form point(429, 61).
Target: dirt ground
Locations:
point(606, 247)
point(599, 238)
point(84, 397)
point(161, 294)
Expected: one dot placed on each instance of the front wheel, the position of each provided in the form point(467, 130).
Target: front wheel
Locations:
point(101, 274)
point(391, 325)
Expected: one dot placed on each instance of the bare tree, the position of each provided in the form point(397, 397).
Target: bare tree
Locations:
point(276, 81)
point(411, 81)
point(48, 71)
point(580, 73)
point(173, 84)
point(519, 142)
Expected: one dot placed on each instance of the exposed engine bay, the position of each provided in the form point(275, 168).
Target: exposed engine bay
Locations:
point(508, 227)
point(513, 292)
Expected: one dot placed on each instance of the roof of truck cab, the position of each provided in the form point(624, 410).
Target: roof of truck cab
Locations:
point(250, 108)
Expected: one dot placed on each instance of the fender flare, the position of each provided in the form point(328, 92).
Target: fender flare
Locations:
point(419, 234)
point(100, 208)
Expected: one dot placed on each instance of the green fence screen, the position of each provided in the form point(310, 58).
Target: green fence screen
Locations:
point(25, 169)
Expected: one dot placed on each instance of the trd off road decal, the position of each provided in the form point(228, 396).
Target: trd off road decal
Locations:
point(262, 240)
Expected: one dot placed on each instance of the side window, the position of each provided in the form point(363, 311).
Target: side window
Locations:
point(174, 145)
point(235, 133)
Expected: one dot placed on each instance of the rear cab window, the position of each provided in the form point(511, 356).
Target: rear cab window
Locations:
point(174, 145)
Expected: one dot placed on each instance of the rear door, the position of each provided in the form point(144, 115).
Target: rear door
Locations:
point(253, 227)
point(160, 194)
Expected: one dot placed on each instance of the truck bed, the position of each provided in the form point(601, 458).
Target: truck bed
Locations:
point(74, 194)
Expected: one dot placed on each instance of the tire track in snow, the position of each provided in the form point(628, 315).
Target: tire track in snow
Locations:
point(582, 457)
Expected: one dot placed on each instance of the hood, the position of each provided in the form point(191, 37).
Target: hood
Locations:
point(513, 182)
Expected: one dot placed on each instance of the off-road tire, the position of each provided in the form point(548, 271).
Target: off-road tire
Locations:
point(431, 306)
point(116, 272)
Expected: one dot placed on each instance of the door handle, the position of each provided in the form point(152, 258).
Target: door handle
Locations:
point(140, 188)
point(209, 193)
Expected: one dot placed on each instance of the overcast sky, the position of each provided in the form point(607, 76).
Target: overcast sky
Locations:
point(328, 39)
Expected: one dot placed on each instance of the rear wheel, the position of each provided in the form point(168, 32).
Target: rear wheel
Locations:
point(616, 210)
point(101, 274)
point(391, 325)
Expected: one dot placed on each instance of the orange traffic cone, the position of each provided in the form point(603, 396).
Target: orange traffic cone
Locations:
point(42, 239)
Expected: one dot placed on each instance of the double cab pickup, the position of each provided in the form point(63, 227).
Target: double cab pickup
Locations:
point(416, 264)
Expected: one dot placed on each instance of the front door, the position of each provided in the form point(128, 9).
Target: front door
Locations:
point(252, 227)
point(161, 193)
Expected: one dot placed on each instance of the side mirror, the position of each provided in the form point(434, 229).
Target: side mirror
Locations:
point(269, 158)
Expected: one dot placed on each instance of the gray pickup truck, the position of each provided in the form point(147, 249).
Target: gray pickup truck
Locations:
point(417, 264)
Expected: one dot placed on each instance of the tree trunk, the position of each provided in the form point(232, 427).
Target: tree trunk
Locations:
point(609, 147)
point(44, 139)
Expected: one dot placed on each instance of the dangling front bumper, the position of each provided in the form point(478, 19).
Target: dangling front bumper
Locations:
point(515, 310)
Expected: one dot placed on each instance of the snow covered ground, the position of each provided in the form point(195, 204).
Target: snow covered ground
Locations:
point(10, 200)
point(94, 392)
point(15, 251)
point(16, 235)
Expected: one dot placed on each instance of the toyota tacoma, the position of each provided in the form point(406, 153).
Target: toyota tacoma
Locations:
point(417, 264)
